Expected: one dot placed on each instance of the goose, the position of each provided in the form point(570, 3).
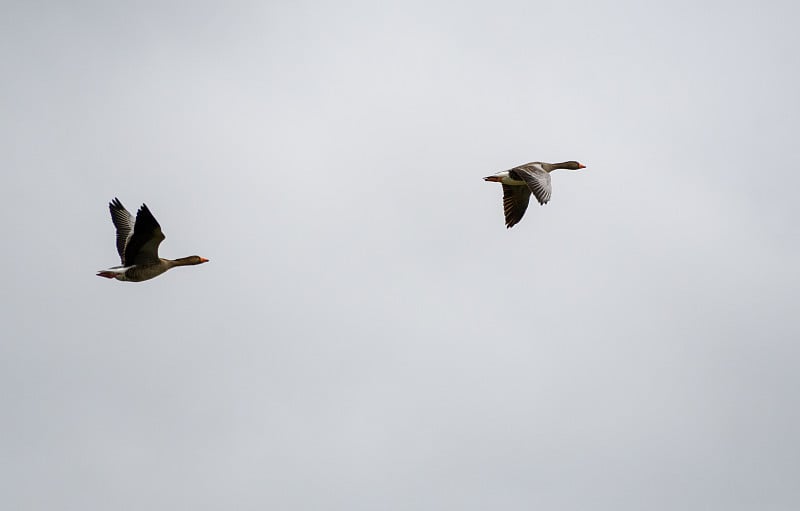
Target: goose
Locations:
point(519, 182)
point(137, 244)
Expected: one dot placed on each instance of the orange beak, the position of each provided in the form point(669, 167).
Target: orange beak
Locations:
point(492, 178)
point(581, 166)
point(203, 260)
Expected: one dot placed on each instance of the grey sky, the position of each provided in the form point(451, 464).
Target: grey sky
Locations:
point(368, 335)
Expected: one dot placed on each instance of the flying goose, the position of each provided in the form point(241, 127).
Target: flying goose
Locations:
point(137, 244)
point(520, 182)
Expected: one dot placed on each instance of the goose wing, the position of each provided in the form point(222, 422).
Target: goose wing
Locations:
point(123, 221)
point(515, 202)
point(142, 248)
point(537, 179)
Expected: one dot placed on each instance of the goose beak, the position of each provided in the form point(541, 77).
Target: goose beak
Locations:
point(203, 260)
point(496, 179)
point(581, 166)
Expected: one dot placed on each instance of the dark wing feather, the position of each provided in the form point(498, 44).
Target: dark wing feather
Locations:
point(147, 236)
point(515, 202)
point(538, 181)
point(123, 221)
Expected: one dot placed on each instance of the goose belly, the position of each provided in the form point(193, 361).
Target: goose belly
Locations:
point(139, 273)
point(507, 180)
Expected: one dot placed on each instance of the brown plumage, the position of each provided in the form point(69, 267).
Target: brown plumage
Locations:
point(520, 182)
point(137, 244)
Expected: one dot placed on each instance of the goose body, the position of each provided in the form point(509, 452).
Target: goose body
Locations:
point(522, 181)
point(137, 245)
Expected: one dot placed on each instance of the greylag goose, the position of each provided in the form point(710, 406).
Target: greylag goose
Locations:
point(520, 182)
point(137, 244)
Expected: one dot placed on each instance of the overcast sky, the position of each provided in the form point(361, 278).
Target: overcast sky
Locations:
point(368, 335)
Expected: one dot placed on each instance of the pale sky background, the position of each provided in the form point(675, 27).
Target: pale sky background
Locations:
point(368, 335)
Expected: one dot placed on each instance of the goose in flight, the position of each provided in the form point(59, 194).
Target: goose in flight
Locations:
point(519, 182)
point(137, 244)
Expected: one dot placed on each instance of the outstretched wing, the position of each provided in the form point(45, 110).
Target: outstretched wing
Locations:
point(142, 248)
point(537, 179)
point(123, 221)
point(515, 202)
